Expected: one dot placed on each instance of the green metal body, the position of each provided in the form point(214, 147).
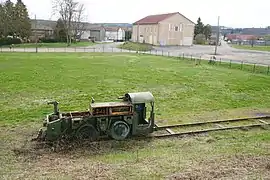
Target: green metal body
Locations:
point(118, 120)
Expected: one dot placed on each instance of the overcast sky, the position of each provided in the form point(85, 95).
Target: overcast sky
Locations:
point(233, 13)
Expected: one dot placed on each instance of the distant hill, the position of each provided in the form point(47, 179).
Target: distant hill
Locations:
point(115, 24)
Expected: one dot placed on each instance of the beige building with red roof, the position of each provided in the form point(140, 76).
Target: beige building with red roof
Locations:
point(164, 29)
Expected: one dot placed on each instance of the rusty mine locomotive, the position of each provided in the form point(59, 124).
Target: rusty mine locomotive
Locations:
point(115, 120)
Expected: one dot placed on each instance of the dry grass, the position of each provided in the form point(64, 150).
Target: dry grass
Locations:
point(224, 155)
point(238, 167)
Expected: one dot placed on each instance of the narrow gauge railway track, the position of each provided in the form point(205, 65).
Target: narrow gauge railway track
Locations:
point(217, 125)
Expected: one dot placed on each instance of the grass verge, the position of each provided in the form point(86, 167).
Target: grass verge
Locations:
point(135, 46)
point(248, 47)
point(184, 92)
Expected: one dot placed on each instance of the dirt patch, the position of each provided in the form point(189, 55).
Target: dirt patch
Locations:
point(227, 167)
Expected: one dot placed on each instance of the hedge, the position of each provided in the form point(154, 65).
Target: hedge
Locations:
point(9, 41)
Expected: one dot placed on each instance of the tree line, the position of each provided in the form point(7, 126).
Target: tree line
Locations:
point(15, 23)
point(70, 25)
point(202, 32)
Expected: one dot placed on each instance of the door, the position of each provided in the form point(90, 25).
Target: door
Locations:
point(181, 42)
point(140, 111)
point(154, 40)
point(150, 39)
point(187, 41)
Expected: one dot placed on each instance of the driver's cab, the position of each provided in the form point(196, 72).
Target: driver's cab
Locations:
point(143, 110)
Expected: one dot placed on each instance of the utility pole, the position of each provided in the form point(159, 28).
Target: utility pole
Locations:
point(36, 32)
point(217, 41)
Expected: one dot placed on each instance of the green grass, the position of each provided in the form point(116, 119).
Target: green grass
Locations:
point(184, 92)
point(248, 47)
point(52, 45)
point(181, 88)
point(133, 46)
point(253, 68)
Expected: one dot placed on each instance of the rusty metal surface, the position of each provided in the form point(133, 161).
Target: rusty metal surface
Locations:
point(109, 104)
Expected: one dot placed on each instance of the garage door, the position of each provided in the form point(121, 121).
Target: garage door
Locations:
point(187, 41)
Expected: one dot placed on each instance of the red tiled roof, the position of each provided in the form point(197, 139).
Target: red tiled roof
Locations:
point(240, 36)
point(154, 19)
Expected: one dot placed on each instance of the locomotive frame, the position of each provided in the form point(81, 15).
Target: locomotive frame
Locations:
point(116, 120)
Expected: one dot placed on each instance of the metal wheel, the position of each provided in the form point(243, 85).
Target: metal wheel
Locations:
point(119, 130)
point(87, 132)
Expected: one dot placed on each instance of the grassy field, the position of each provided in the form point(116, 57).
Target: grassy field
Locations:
point(52, 45)
point(135, 46)
point(248, 47)
point(184, 92)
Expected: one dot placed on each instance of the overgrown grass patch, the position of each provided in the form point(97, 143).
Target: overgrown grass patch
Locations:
point(134, 46)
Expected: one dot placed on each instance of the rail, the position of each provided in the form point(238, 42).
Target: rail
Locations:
point(260, 121)
point(168, 131)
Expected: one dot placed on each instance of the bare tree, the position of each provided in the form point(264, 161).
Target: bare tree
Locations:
point(78, 26)
point(68, 10)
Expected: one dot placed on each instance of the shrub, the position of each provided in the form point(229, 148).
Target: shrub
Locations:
point(136, 46)
point(48, 40)
point(200, 39)
point(9, 41)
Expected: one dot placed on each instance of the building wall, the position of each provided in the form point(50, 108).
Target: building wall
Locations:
point(40, 33)
point(115, 35)
point(85, 35)
point(147, 34)
point(98, 34)
point(176, 30)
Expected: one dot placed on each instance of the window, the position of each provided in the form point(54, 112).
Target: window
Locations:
point(176, 28)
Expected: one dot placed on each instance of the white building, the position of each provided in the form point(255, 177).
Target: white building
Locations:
point(114, 33)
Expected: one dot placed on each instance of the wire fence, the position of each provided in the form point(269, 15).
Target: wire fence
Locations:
point(251, 42)
point(194, 58)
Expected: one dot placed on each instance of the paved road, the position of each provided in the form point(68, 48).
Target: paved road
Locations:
point(225, 52)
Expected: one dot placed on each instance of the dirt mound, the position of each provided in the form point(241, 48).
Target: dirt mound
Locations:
point(227, 167)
